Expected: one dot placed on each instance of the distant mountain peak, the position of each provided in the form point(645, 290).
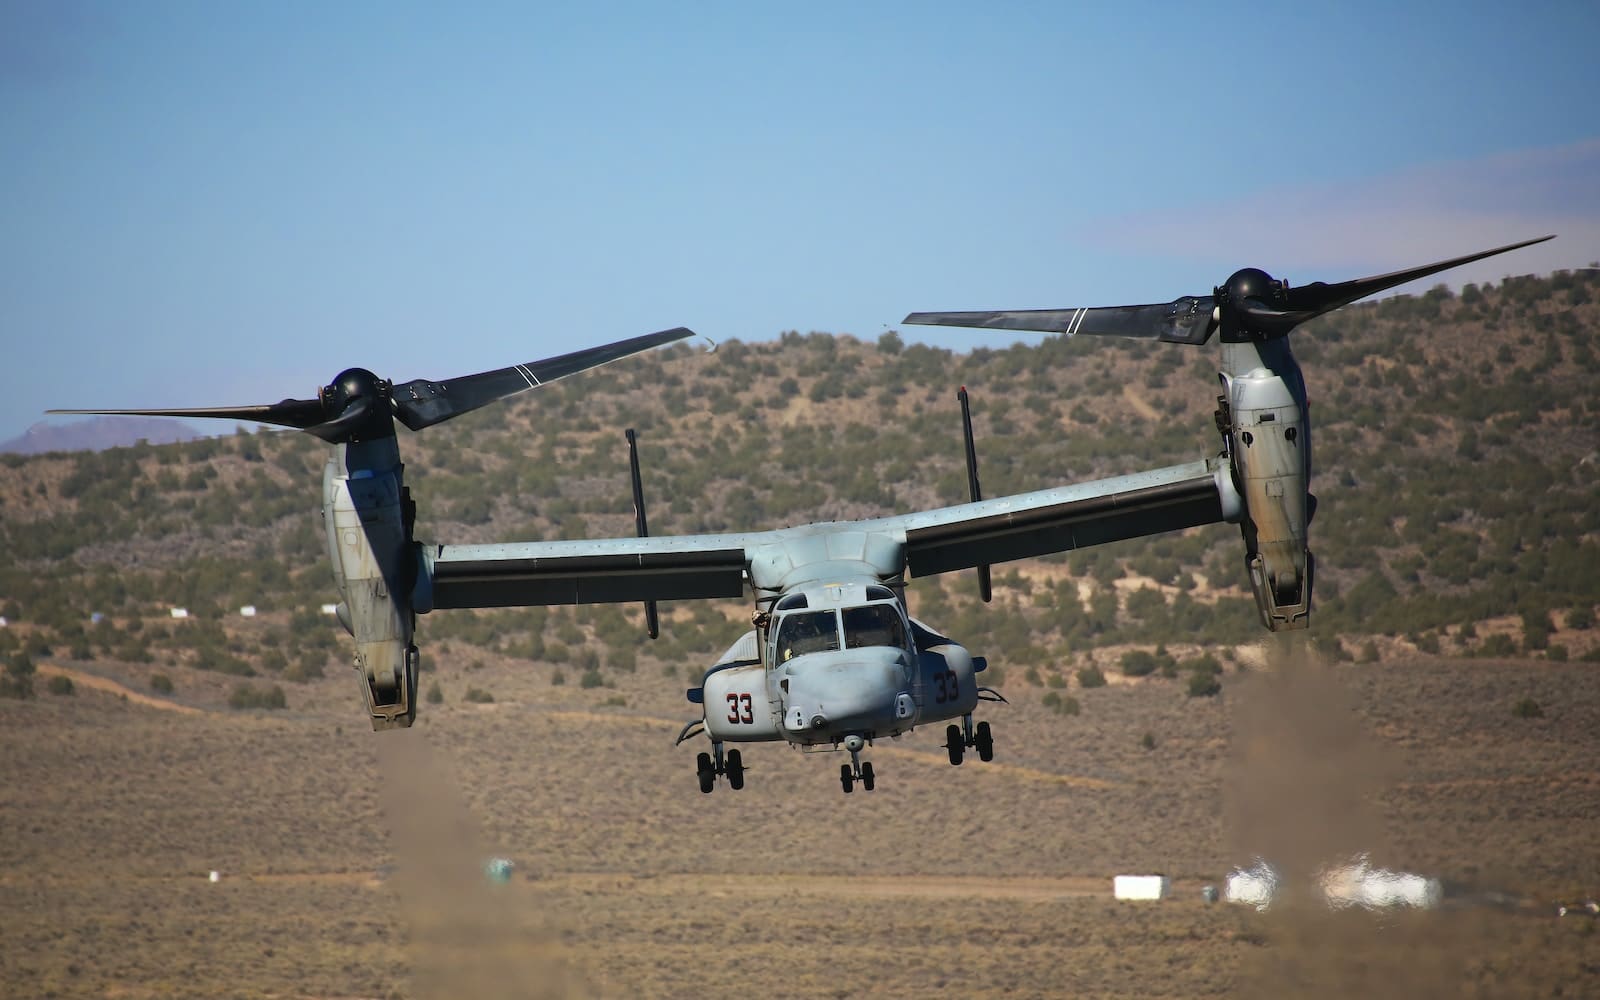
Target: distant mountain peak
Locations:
point(98, 434)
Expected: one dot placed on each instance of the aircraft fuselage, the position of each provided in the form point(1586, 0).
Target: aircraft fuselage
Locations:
point(833, 662)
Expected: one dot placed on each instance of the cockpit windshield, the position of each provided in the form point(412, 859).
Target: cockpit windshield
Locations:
point(807, 632)
point(874, 625)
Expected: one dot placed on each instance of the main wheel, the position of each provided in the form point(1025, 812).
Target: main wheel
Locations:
point(706, 772)
point(954, 743)
point(867, 779)
point(985, 741)
point(845, 778)
point(734, 769)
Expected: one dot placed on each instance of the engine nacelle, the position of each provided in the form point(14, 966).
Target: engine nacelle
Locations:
point(367, 515)
point(1269, 444)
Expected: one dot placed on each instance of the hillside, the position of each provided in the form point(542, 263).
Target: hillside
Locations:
point(1439, 714)
point(1455, 440)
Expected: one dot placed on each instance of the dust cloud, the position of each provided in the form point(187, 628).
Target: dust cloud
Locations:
point(1305, 775)
point(467, 937)
point(1303, 794)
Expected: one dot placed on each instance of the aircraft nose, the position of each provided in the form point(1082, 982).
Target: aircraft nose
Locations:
point(842, 691)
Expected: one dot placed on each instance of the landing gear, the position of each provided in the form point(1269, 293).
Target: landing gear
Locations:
point(958, 738)
point(955, 743)
point(707, 767)
point(856, 771)
point(984, 741)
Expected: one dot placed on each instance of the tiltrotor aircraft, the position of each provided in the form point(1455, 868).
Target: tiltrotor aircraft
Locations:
point(834, 660)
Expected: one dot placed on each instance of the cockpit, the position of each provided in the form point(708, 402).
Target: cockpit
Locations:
point(802, 630)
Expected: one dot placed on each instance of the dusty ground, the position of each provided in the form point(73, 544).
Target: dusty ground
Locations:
point(352, 861)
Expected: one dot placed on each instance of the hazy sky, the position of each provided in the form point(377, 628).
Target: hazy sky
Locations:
point(224, 203)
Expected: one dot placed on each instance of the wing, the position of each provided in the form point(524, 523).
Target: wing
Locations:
point(691, 567)
point(588, 571)
point(1063, 518)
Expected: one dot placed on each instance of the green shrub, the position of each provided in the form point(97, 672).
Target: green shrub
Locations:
point(1139, 663)
point(478, 696)
point(557, 678)
point(60, 684)
point(1499, 644)
point(435, 694)
point(1148, 740)
point(17, 682)
point(1203, 685)
point(246, 696)
point(1091, 677)
point(591, 679)
point(1059, 704)
point(161, 683)
point(1527, 708)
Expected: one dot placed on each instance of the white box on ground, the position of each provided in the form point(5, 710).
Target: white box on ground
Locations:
point(1141, 887)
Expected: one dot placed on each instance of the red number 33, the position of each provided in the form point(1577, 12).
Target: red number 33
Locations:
point(741, 709)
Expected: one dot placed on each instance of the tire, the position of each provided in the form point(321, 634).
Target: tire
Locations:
point(867, 778)
point(845, 778)
point(953, 743)
point(706, 773)
point(985, 741)
point(734, 769)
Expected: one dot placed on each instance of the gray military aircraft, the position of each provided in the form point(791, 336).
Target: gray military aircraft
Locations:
point(834, 660)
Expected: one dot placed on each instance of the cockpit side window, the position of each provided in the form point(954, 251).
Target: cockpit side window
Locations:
point(874, 625)
point(807, 632)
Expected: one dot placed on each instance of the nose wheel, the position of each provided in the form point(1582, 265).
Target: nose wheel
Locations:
point(856, 770)
point(729, 765)
point(958, 738)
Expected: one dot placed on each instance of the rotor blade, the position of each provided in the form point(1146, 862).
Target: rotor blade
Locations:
point(423, 403)
point(297, 413)
point(1312, 300)
point(1186, 320)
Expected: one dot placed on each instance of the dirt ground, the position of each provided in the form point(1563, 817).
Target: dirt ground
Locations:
point(351, 863)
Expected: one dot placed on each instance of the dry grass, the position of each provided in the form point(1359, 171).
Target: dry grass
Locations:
point(990, 881)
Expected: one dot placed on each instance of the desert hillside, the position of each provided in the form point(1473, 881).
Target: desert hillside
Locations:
point(1440, 716)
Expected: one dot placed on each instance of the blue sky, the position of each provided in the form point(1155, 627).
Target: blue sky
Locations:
point(226, 203)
